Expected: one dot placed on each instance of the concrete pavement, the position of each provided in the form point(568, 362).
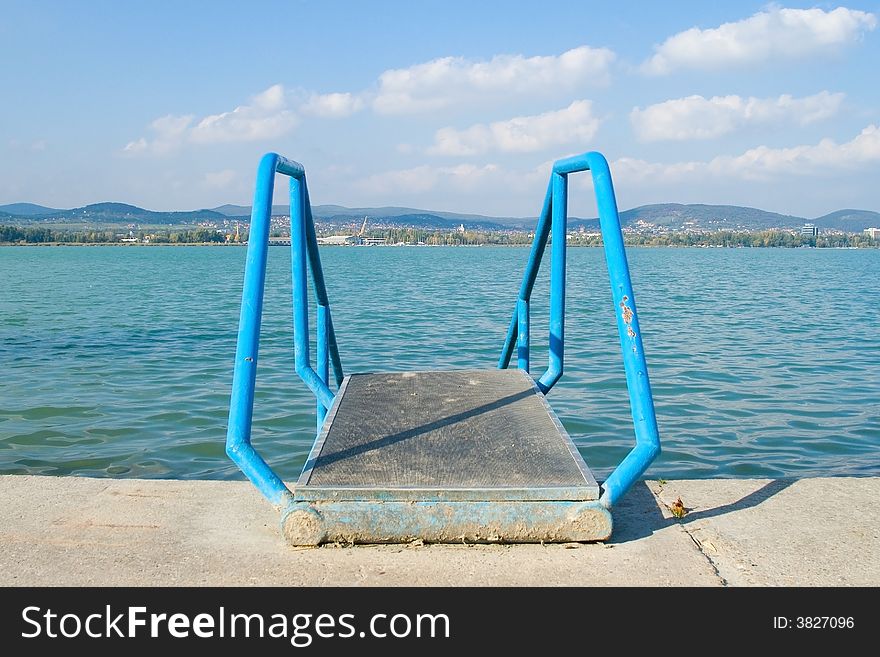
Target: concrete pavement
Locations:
point(57, 531)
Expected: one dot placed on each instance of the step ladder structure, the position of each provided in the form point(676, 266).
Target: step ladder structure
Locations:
point(472, 455)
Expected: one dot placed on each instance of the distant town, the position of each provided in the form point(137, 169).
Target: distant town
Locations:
point(651, 225)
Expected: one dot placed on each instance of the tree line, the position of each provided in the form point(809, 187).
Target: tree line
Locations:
point(726, 238)
point(752, 239)
point(41, 235)
point(448, 238)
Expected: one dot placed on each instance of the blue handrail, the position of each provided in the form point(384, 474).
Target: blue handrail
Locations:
point(304, 255)
point(553, 220)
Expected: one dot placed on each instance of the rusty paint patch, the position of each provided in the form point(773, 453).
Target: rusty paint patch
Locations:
point(626, 310)
point(630, 332)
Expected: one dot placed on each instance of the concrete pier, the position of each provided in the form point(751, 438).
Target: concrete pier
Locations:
point(57, 531)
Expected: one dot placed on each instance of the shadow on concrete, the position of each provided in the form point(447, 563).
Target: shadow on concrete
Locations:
point(766, 491)
point(639, 514)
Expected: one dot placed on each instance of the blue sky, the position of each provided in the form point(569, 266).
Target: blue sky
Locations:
point(456, 106)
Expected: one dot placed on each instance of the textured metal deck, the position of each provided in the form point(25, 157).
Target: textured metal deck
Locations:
point(466, 434)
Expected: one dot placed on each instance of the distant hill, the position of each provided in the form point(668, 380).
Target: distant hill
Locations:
point(108, 209)
point(394, 211)
point(709, 217)
point(851, 221)
point(122, 212)
point(245, 210)
point(340, 213)
point(117, 213)
point(674, 216)
point(670, 216)
point(25, 209)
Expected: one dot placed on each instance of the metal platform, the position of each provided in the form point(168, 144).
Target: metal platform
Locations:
point(445, 456)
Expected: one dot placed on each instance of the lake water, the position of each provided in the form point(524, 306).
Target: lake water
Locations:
point(117, 361)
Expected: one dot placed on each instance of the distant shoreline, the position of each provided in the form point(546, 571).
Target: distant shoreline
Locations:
point(437, 246)
point(119, 244)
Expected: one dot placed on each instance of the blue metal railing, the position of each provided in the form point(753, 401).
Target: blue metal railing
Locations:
point(552, 221)
point(304, 256)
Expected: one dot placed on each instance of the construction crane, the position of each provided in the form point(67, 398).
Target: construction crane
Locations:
point(345, 239)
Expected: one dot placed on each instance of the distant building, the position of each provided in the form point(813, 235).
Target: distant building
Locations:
point(810, 230)
point(338, 240)
point(873, 233)
point(461, 228)
point(374, 241)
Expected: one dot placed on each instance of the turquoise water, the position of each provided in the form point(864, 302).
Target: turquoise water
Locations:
point(117, 361)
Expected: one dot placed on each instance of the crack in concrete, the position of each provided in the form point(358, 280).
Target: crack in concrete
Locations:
point(711, 561)
point(690, 535)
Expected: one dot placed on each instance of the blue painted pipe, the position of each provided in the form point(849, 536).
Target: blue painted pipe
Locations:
point(314, 256)
point(323, 356)
point(641, 400)
point(304, 253)
point(559, 191)
point(553, 219)
point(509, 340)
point(241, 404)
point(542, 233)
point(321, 287)
point(287, 167)
point(334, 351)
point(298, 264)
point(522, 342)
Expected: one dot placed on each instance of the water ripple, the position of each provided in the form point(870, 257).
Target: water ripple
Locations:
point(118, 361)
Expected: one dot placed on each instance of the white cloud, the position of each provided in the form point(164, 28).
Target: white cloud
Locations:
point(266, 117)
point(137, 146)
point(634, 170)
point(808, 159)
point(169, 131)
point(696, 117)
point(774, 33)
point(450, 80)
point(522, 134)
point(461, 179)
point(489, 188)
point(762, 162)
point(415, 180)
point(335, 105)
